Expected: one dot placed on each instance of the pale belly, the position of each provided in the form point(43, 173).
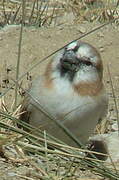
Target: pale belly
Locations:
point(78, 114)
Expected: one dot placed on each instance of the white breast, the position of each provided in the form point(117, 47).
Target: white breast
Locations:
point(79, 114)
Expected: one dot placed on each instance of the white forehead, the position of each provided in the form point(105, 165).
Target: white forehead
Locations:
point(84, 50)
point(72, 45)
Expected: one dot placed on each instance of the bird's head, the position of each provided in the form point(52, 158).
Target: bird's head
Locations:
point(78, 60)
point(78, 63)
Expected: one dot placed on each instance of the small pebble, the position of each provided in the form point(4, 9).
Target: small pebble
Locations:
point(100, 34)
point(81, 29)
point(101, 49)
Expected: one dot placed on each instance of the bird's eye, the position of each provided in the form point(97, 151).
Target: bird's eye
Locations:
point(88, 63)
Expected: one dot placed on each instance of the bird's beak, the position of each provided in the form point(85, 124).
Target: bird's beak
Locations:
point(69, 61)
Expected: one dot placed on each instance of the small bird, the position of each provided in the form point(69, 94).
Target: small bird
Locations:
point(71, 91)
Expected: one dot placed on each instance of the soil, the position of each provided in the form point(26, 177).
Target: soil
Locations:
point(38, 43)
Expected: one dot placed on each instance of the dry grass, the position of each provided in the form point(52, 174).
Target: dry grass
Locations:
point(45, 13)
point(44, 145)
point(37, 13)
point(66, 161)
point(94, 10)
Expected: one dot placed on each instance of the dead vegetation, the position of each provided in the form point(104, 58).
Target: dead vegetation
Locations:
point(45, 13)
point(45, 156)
point(94, 10)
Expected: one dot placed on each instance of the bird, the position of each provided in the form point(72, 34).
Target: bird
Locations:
point(71, 91)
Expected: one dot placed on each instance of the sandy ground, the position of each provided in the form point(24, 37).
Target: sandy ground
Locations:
point(38, 43)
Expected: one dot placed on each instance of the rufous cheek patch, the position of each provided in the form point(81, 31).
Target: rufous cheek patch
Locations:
point(88, 89)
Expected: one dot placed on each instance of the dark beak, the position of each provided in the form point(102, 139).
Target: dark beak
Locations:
point(69, 61)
